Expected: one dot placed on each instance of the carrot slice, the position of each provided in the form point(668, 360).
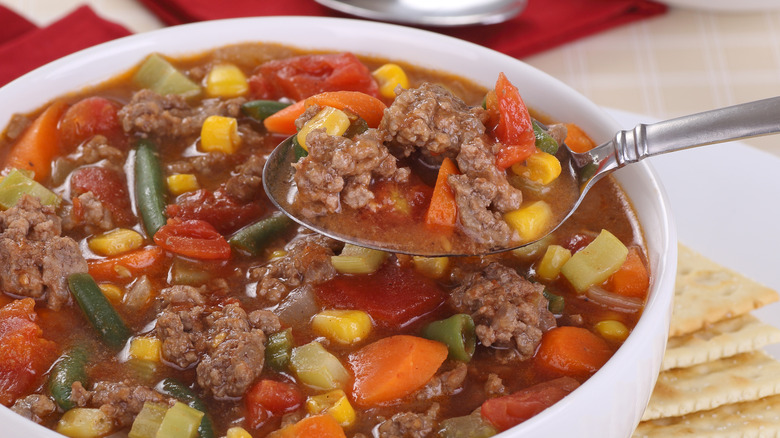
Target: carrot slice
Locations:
point(394, 367)
point(443, 211)
point(577, 140)
point(283, 121)
point(127, 265)
point(571, 351)
point(39, 144)
point(319, 426)
point(632, 279)
point(367, 107)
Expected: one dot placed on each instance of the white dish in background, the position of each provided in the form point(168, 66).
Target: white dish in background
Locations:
point(726, 5)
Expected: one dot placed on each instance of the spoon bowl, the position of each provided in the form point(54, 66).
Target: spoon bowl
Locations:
point(441, 13)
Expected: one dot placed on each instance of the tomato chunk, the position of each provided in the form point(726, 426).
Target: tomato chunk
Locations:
point(515, 129)
point(394, 296)
point(89, 117)
point(510, 410)
point(217, 208)
point(108, 186)
point(303, 76)
point(24, 354)
point(192, 238)
point(269, 398)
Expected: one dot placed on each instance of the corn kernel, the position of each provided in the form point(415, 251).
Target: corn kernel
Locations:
point(113, 292)
point(226, 80)
point(182, 183)
point(540, 167)
point(433, 267)
point(334, 403)
point(146, 348)
point(550, 265)
point(390, 76)
point(612, 330)
point(220, 134)
point(115, 242)
point(277, 254)
point(84, 423)
point(342, 326)
point(334, 121)
point(237, 432)
point(531, 221)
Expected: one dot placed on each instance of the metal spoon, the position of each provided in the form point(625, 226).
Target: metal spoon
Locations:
point(717, 126)
point(430, 12)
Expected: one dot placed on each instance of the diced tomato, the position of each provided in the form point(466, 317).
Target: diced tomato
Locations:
point(24, 354)
point(510, 410)
point(303, 76)
point(217, 208)
point(515, 129)
point(192, 238)
point(89, 117)
point(394, 296)
point(397, 201)
point(109, 186)
point(269, 398)
point(578, 241)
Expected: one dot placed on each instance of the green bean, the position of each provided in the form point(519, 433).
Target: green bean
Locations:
point(298, 150)
point(260, 109)
point(98, 311)
point(254, 238)
point(278, 350)
point(69, 369)
point(544, 140)
point(149, 187)
point(457, 332)
point(181, 392)
point(556, 303)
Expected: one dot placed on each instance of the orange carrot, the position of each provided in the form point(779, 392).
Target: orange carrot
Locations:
point(319, 426)
point(39, 144)
point(443, 212)
point(368, 107)
point(283, 121)
point(126, 266)
point(577, 140)
point(394, 367)
point(571, 351)
point(632, 279)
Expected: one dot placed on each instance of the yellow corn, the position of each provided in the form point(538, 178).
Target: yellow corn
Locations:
point(531, 221)
point(550, 265)
point(334, 403)
point(115, 242)
point(182, 183)
point(612, 330)
point(226, 80)
point(277, 254)
point(145, 347)
point(333, 121)
point(342, 326)
point(237, 432)
point(433, 267)
point(220, 134)
point(84, 423)
point(390, 76)
point(540, 167)
point(111, 291)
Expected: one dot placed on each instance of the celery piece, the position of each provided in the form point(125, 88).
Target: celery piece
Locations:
point(596, 262)
point(278, 349)
point(358, 260)
point(181, 421)
point(157, 74)
point(468, 426)
point(18, 183)
point(318, 368)
point(147, 422)
point(186, 272)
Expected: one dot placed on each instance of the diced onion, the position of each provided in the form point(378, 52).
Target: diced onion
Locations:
point(613, 301)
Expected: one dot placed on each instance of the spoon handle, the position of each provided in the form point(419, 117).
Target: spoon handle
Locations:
point(746, 120)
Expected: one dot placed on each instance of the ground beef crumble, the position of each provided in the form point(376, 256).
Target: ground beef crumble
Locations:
point(120, 401)
point(409, 424)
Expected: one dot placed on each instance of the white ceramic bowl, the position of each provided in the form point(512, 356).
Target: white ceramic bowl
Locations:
point(609, 404)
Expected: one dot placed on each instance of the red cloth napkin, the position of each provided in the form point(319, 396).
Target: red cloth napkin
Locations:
point(23, 46)
point(542, 25)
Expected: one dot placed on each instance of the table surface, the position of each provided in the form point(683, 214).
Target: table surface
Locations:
point(682, 62)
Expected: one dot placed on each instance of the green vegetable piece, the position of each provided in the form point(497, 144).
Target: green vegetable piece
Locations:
point(318, 368)
point(358, 260)
point(260, 109)
point(18, 183)
point(298, 150)
point(98, 310)
point(544, 140)
point(358, 126)
point(144, 369)
point(159, 75)
point(469, 426)
point(279, 349)
point(254, 238)
point(456, 332)
point(181, 392)
point(596, 262)
point(556, 303)
point(180, 421)
point(148, 421)
point(69, 368)
point(186, 272)
point(149, 187)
